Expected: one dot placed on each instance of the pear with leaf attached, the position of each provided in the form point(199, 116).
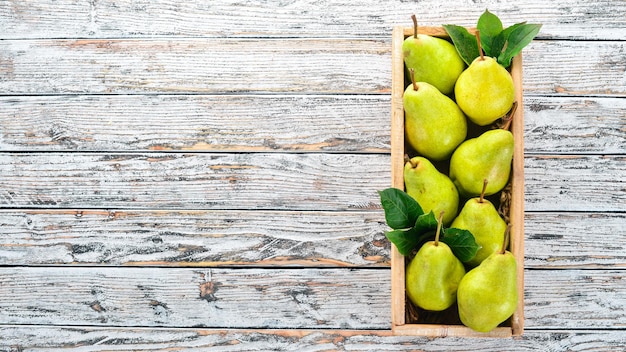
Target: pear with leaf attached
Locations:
point(434, 60)
point(433, 275)
point(487, 295)
point(481, 218)
point(485, 90)
point(430, 188)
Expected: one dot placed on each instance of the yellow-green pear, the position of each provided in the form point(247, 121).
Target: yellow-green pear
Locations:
point(487, 156)
point(433, 275)
point(485, 91)
point(487, 294)
point(430, 188)
point(481, 218)
point(434, 60)
point(434, 124)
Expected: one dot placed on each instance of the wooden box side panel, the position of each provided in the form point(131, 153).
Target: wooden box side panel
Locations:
point(516, 212)
point(397, 164)
point(433, 330)
point(399, 325)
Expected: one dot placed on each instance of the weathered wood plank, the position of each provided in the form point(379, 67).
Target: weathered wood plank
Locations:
point(309, 181)
point(575, 240)
point(193, 181)
point(572, 19)
point(198, 238)
point(187, 65)
point(575, 125)
point(575, 183)
point(267, 238)
point(226, 298)
point(195, 122)
point(575, 68)
point(276, 122)
point(50, 338)
point(575, 299)
point(274, 298)
point(338, 66)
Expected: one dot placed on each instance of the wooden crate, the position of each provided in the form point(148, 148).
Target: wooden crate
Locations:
point(400, 324)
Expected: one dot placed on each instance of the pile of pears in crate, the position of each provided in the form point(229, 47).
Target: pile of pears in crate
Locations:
point(458, 103)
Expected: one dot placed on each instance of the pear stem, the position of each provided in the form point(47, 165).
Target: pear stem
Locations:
point(480, 47)
point(412, 71)
point(482, 194)
point(509, 118)
point(414, 26)
point(439, 221)
point(507, 236)
point(409, 160)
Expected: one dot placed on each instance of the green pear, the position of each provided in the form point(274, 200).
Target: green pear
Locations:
point(481, 218)
point(434, 60)
point(433, 275)
point(487, 294)
point(430, 188)
point(487, 156)
point(485, 91)
point(434, 124)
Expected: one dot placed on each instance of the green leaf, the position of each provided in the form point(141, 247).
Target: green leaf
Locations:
point(426, 222)
point(517, 40)
point(464, 42)
point(401, 210)
point(461, 242)
point(489, 26)
point(500, 40)
point(407, 240)
point(403, 241)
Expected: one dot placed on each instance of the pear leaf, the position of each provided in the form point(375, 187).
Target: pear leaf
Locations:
point(401, 210)
point(501, 44)
point(461, 242)
point(490, 27)
point(406, 240)
point(500, 40)
point(464, 42)
point(518, 38)
point(426, 222)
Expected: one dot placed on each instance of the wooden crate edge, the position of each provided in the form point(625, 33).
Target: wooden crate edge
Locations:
point(397, 177)
point(517, 194)
point(434, 330)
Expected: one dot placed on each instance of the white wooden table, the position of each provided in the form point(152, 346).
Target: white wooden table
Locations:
point(196, 174)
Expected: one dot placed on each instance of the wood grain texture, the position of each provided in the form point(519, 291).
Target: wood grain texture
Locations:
point(198, 238)
point(571, 19)
point(516, 202)
point(328, 66)
point(575, 299)
point(88, 66)
point(575, 125)
point(309, 181)
point(575, 240)
point(575, 68)
point(203, 297)
point(575, 183)
point(270, 238)
point(553, 125)
point(202, 175)
point(195, 123)
point(50, 338)
point(274, 298)
point(194, 181)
